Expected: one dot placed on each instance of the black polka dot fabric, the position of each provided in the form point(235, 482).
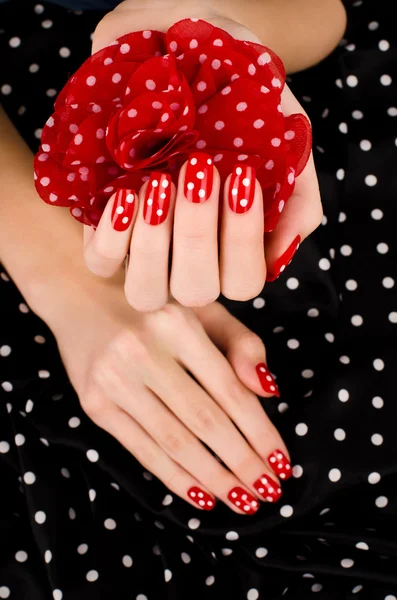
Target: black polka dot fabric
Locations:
point(81, 519)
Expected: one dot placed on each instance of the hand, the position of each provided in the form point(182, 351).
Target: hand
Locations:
point(164, 396)
point(199, 271)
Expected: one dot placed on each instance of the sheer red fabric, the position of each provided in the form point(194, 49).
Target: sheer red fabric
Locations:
point(150, 98)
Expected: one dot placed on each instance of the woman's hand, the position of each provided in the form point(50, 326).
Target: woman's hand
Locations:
point(161, 217)
point(167, 396)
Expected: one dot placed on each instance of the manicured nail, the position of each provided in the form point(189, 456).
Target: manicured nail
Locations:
point(266, 380)
point(242, 188)
point(123, 209)
point(157, 198)
point(280, 464)
point(243, 500)
point(268, 488)
point(202, 498)
point(284, 260)
point(199, 177)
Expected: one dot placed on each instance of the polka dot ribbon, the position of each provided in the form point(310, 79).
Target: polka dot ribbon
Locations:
point(150, 98)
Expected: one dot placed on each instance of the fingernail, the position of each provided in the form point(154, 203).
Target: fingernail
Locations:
point(202, 498)
point(243, 500)
point(242, 188)
point(266, 380)
point(199, 177)
point(280, 464)
point(268, 488)
point(284, 260)
point(157, 198)
point(123, 209)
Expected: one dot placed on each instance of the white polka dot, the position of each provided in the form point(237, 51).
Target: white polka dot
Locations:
point(82, 549)
point(313, 312)
point(92, 455)
point(92, 495)
point(362, 546)
point(150, 84)
point(21, 556)
point(357, 114)
point(91, 81)
point(29, 478)
point(47, 24)
point(219, 125)
point(343, 127)
point(19, 439)
point(365, 145)
point(238, 142)
point(377, 214)
point(64, 52)
point(193, 523)
point(4, 448)
point(40, 517)
point(65, 472)
point(258, 303)
point(316, 587)
point(167, 500)
point(297, 471)
point(276, 142)
point(340, 434)
point(167, 575)
point(47, 556)
point(110, 524)
point(307, 373)
point(386, 80)
point(292, 283)
point(393, 317)
point(379, 365)
point(377, 439)
point(72, 512)
point(185, 558)
point(388, 282)
point(324, 264)
point(261, 552)
point(334, 475)
point(301, 429)
point(127, 561)
point(210, 580)
point(392, 111)
point(351, 80)
point(390, 597)
point(241, 106)
point(286, 511)
point(293, 344)
point(381, 501)
point(232, 536)
point(346, 250)
point(382, 248)
point(7, 386)
point(57, 595)
point(351, 285)
point(5, 351)
point(4, 592)
point(371, 180)
point(357, 320)
point(74, 422)
point(92, 575)
point(253, 594)
point(201, 86)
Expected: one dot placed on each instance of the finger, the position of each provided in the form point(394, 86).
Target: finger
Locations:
point(244, 349)
point(301, 216)
point(242, 258)
point(195, 269)
point(153, 458)
point(209, 420)
point(184, 449)
point(106, 248)
point(146, 284)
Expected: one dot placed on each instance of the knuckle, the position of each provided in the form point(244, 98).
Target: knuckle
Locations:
point(129, 344)
point(251, 342)
point(243, 293)
point(234, 392)
point(205, 420)
point(173, 442)
point(94, 406)
point(192, 240)
point(190, 299)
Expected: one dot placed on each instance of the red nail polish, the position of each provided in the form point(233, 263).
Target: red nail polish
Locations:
point(199, 177)
point(202, 498)
point(268, 488)
point(280, 464)
point(243, 500)
point(242, 188)
point(157, 198)
point(266, 380)
point(284, 260)
point(123, 209)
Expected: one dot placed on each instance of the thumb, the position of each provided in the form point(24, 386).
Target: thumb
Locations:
point(241, 346)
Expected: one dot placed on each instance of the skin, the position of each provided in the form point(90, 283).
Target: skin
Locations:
point(199, 270)
point(131, 375)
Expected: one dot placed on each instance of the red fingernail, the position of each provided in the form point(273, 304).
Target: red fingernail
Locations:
point(242, 188)
point(243, 500)
point(284, 260)
point(202, 498)
point(123, 209)
point(157, 198)
point(266, 380)
point(280, 464)
point(199, 177)
point(268, 488)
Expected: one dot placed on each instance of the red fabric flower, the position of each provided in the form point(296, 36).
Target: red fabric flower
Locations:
point(149, 99)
